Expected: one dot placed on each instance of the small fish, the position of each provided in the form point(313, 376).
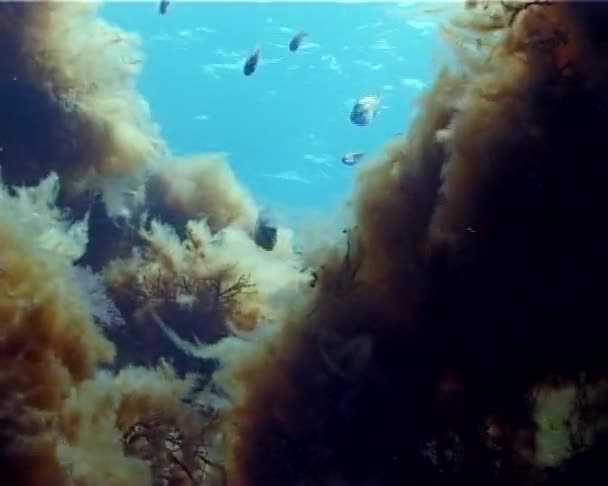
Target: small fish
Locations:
point(265, 233)
point(295, 42)
point(365, 110)
point(252, 62)
point(163, 7)
point(352, 158)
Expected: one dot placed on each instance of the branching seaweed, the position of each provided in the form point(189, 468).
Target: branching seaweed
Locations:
point(227, 296)
point(173, 454)
point(209, 292)
point(516, 7)
point(345, 278)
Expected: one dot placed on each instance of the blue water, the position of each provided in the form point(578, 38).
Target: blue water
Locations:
point(286, 126)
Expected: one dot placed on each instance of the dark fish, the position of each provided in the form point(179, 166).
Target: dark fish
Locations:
point(252, 62)
point(163, 7)
point(352, 158)
point(265, 233)
point(364, 110)
point(294, 44)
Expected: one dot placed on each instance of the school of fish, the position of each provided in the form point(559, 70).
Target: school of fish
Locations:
point(363, 112)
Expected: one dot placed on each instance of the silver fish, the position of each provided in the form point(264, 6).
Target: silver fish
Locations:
point(365, 110)
point(352, 158)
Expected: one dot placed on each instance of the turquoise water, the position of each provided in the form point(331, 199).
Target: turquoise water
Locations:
point(285, 127)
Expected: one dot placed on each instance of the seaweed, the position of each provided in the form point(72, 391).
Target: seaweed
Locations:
point(173, 453)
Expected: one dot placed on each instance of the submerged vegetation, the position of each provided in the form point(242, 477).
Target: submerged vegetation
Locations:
point(453, 335)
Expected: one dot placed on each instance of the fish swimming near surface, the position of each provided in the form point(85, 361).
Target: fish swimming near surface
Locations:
point(365, 110)
point(163, 7)
point(352, 158)
point(252, 62)
point(295, 42)
point(265, 232)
